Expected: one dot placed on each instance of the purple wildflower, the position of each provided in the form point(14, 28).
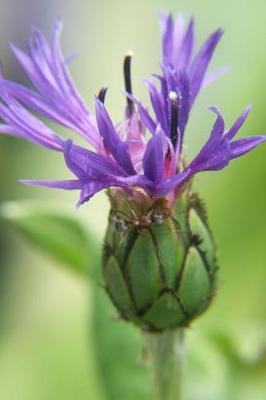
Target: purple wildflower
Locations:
point(183, 73)
point(123, 156)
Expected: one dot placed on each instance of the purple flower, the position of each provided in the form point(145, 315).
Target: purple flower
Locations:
point(123, 156)
point(184, 72)
point(178, 48)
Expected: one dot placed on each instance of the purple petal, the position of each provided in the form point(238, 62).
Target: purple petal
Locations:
point(171, 78)
point(238, 123)
point(42, 45)
point(167, 28)
point(86, 164)
point(89, 190)
point(129, 181)
point(218, 128)
point(158, 105)
point(217, 160)
point(179, 32)
point(9, 130)
point(242, 146)
point(213, 141)
point(174, 183)
point(57, 97)
point(154, 157)
point(112, 141)
point(217, 73)
point(74, 184)
point(26, 63)
point(183, 56)
point(201, 61)
point(23, 124)
point(74, 164)
point(144, 114)
point(215, 154)
point(184, 101)
point(34, 101)
point(64, 78)
point(163, 84)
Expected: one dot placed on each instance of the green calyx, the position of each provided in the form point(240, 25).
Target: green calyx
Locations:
point(159, 265)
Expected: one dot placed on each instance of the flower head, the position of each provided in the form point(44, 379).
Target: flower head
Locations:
point(144, 151)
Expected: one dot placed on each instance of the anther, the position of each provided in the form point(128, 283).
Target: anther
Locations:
point(102, 94)
point(127, 79)
point(174, 113)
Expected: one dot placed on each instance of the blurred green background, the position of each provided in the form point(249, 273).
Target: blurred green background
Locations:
point(45, 347)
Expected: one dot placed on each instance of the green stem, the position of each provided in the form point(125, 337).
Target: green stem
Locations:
point(166, 354)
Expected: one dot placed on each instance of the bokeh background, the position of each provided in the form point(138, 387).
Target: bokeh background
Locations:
point(45, 347)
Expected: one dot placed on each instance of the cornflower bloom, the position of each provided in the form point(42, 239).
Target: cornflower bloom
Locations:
point(158, 244)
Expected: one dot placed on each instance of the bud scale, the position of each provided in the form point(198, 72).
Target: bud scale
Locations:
point(159, 265)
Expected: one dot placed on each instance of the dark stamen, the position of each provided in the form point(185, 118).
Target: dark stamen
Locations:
point(127, 78)
point(102, 94)
point(173, 117)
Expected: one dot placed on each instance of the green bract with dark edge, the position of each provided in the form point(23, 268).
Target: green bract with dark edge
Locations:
point(159, 265)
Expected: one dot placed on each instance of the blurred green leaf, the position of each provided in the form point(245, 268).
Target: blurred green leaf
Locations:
point(119, 353)
point(244, 348)
point(63, 235)
point(60, 233)
point(227, 363)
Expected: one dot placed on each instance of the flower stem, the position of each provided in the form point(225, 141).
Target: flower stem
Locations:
point(166, 354)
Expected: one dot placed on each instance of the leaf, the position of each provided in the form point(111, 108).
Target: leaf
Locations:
point(226, 362)
point(60, 233)
point(118, 347)
point(243, 346)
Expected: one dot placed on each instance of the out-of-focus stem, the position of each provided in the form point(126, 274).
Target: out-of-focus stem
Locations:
point(166, 356)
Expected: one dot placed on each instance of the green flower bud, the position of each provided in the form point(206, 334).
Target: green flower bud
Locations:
point(159, 264)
